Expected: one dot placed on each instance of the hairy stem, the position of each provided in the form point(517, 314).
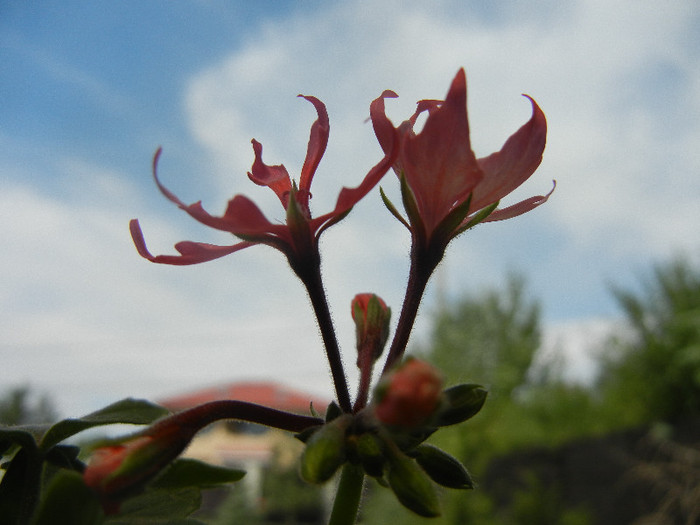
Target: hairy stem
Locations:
point(347, 498)
point(317, 294)
point(423, 262)
point(200, 416)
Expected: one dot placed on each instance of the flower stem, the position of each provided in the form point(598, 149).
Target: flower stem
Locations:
point(317, 294)
point(422, 266)
point(347, 498)
point(200, 416)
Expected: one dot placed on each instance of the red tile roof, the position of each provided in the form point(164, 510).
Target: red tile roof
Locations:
point(266, 393)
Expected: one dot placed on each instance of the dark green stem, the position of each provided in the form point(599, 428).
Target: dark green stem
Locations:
point(347, 498)
point(317, 294)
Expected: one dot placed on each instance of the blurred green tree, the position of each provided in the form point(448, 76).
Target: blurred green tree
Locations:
point(652, 370)
point(489, 339)
point(18, 408)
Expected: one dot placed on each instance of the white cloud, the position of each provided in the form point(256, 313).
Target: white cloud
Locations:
point(77, 295)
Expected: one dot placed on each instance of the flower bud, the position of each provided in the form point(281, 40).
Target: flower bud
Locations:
point(409, 396)
point(325, 451)
point(442, 468)
point(371, 316)
point(124, 468)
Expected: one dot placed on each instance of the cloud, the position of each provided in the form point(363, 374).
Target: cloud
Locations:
point(619, 87)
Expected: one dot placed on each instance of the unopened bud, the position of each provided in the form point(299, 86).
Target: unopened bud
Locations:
point(371, 316)
point(409, 396)
point(443, 468)
point(124, 468)
point(412, 486)
point(325, 451)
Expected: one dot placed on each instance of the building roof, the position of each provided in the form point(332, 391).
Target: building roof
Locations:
point(266, 393)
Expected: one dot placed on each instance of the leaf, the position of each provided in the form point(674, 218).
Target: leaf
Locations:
point(24, 436)
point(68, 501)
point(192, 473)
point(20, 486)
point(127, 411)
point(159, 506)
point(65, 456)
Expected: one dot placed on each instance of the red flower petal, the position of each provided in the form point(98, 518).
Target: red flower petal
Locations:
point(520, 156)
point(318, 140)
point(274, 177)
point(190, 252)
point(438, 163)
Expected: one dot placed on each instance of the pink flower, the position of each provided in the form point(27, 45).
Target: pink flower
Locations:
point(449, 186)
point(409, 396)
point(297, 238)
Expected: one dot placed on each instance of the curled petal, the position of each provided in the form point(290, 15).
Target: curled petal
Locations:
point(190, 252)
point(318, 140)
point(519, 208)
point(389, 141)
point(274, 177)
point(520, 156)
point(383, 128)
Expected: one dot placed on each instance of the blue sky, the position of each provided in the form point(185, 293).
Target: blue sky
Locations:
point(90, 89)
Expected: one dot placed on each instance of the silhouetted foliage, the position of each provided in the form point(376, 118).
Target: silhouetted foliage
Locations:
point(654, 369)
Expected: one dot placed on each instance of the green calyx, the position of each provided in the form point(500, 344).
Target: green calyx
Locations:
point(325, 451)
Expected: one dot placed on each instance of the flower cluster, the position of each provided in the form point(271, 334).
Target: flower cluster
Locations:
point(445, 190)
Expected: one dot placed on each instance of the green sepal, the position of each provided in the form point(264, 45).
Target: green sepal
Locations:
point(333, 411)
point(445, 230)
point(442, 468)
point(325, 451)
point(479, 217)
point(409, 440)
point(369, 449)
point(411, 207)
point(461, 403)
point(305, 434)
point(412, 486)
point(392, 209)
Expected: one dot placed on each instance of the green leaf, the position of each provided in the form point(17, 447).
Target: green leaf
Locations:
point(24, 436)
point(159, 506)
point(19, 488)
point(461, 403)
point(65, 456)
point(443, 468)
point(192, 473)
point(68, 501)
point(127, 411)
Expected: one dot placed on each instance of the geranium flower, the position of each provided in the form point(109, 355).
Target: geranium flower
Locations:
point(450, 189)
point(298, 237)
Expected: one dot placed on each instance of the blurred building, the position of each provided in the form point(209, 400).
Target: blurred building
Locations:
point(250, 447)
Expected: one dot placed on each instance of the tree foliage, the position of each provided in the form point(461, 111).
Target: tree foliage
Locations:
point(653, 368)
point(489, 339)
